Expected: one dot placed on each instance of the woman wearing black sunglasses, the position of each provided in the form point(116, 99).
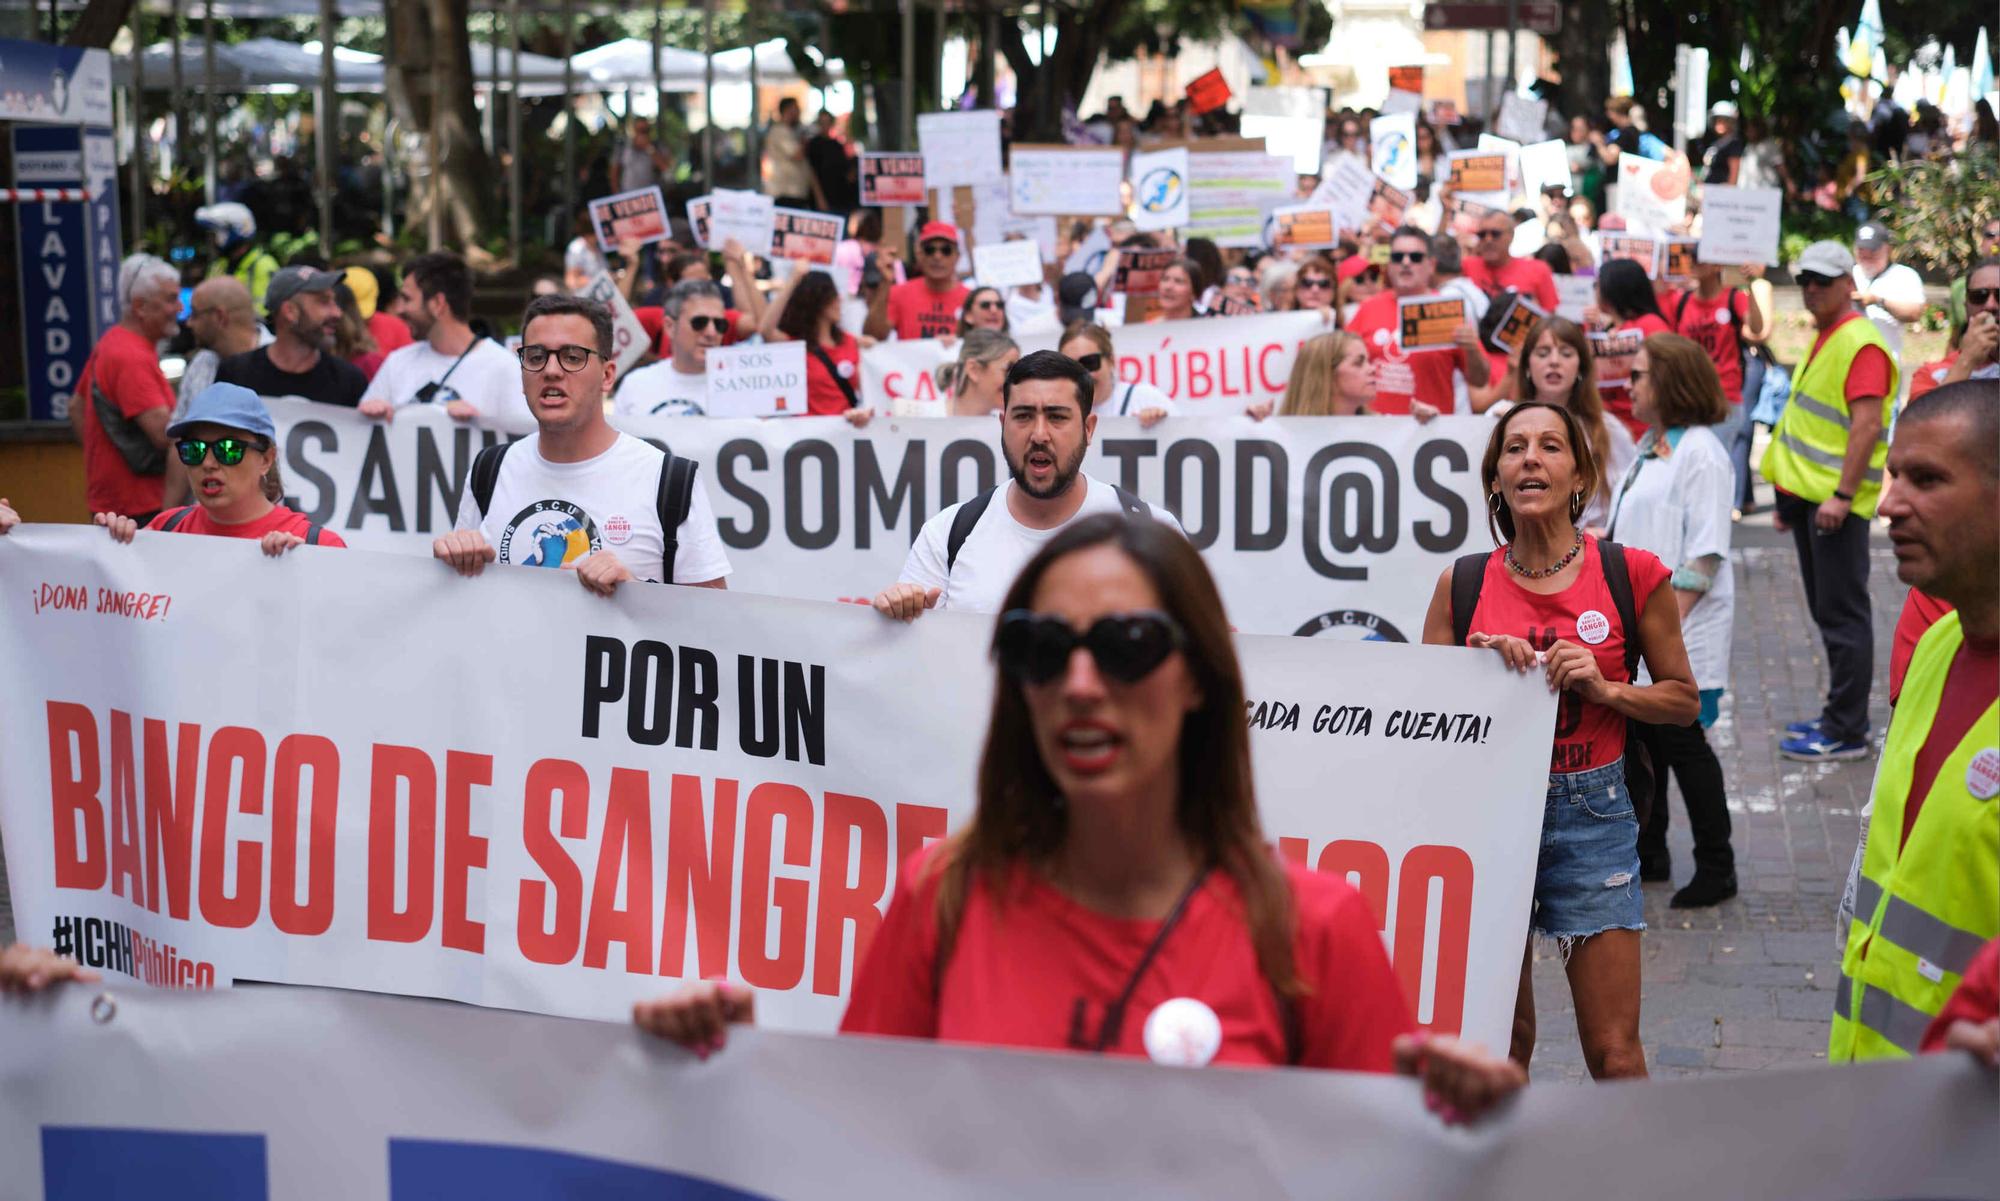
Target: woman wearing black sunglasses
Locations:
point(1090, 345)
point(225, 440)
point(1113, 892)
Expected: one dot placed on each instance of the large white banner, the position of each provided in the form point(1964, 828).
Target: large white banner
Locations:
point(319, 1096)
point(1337, 526)
point(360, 770)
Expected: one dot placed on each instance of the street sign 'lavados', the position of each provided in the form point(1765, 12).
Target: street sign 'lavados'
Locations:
point(1536, 16)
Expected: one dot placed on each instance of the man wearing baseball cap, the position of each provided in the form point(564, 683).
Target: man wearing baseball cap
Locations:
point(1891, 294)
point(925, 307)
point(299, 361)
point(1825, 460)
point(1725, 150)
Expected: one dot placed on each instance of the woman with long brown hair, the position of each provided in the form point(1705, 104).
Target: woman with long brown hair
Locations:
point(1557, 367)
point(1114, 892)
point(1332, 377)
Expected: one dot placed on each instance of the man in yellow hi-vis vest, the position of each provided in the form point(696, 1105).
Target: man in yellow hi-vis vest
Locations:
point(1929, 893)
point(1825, 460)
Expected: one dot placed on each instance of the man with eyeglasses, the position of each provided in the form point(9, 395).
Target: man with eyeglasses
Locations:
point(1985, 245)
point(1495, 268)
point(1975, 352)
point(1825, 461)
point(694, 320)
point(300, 362)
point(578, 495)
point(223, 319)
point(1426, 376)
point(448, 364)
point(928, 306)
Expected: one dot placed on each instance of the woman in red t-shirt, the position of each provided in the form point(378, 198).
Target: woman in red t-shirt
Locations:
point(1629, 309)
point(227, 442)
point(809, 312)
point(1113, 892)
point(1545, 603)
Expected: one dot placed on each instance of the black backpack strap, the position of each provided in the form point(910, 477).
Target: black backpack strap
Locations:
point(175, 517)
point(486, 474)
point(312, 534)
point(1468, 573)
point(675, 500)
point(968, 515)
point(1133, 506)
point(1680, 310)
point(1618, 578)
point(1736, 323)
point(826, 361)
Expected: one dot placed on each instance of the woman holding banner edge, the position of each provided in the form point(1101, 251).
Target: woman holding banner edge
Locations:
point(1113, 892)
point(1551, 598)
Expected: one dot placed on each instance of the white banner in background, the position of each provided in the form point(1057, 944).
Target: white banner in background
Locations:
point(1312, 525)
point(323, 1096)
point(359, 770)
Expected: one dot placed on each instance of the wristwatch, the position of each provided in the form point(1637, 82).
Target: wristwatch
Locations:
point(1843, 496)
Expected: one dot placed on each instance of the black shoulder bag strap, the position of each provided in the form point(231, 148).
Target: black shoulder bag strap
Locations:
point(1468, 574)
point(1680, 310)
point(1642, 776)
point(486, 474)
point(968, 515)
point(826, 361)
point(1133, 506)
point(175, 517)
point(675, 500)
point(1618, 578)
point(312, 534)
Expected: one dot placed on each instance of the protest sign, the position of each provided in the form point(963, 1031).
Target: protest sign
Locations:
point(697, 212)
point(1511, 332)
point(414, 1099)
point(959, 149)
point(1430, 322)
point(1399, 102)
point(1478, 171)
point(1444, 113)
point(746, 218)
point(1644, 251)
point(1408, 78)
point(1392, 154)
point(1066, 181)
point(1574, 294)
point(1233, 186)
point(1652, 196)
point(1387, 204)
point(1160, 189)
point(1615, 351)
point(1677, 259)
point(1291, 120)
point(1521, 119)
point(1209, 91)
point(1304, 227)
point(1465, 213)
point(1740, 225)
point(1008, 264)
point(994, 220)
point(888, 179)
point(629, 340)
point(1347, 188)
point(1089, 254)
point(759, 379)
point(639, 216)
point(1294, 521)
point(1139, 269)
point(799, 234)
point(601, 795)
point(1544, 166)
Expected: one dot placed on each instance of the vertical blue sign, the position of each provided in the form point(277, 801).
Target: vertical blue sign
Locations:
point(68, 253)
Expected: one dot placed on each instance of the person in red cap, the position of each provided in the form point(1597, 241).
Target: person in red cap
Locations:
point(928, 306)
point(1404, 378)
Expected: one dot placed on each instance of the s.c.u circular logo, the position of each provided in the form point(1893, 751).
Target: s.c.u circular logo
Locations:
point(1160, 190)
point(1351, 625)
point(555, 533)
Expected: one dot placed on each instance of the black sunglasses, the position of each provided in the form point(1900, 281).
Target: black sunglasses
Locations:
point(1980, 295)
point(704, 324)
point(1408, 256)
point(572, 358)
point(987, 304)
point(1486, 234)
point(1314, 281)
point(228, 451)
point(1035, 648)
point(1091, 362)
point(939, 248)
point(1813, 279)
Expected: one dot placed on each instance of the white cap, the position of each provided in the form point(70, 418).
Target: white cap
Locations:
point(1723, 108)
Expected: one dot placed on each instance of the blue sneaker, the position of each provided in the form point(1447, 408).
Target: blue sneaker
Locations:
point(1818, 748)
point(1808, 728)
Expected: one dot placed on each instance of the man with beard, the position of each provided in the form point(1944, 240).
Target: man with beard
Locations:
point(299, 361)
point(967, 556)
point(577, 495)
point(448, 364)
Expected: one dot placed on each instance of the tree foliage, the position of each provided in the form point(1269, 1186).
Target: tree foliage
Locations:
point(1937, 207)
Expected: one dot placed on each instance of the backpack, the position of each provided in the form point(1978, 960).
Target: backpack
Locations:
point(1735, 326)
point(1467, 576)
point(675, 497)
point(971, 511)
point(175, 517)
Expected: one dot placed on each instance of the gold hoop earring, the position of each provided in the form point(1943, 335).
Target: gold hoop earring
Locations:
point(1575, 506)
point(1493, 503)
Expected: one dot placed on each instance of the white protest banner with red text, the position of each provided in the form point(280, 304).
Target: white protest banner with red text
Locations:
point(1337, 525)
point(359, 770)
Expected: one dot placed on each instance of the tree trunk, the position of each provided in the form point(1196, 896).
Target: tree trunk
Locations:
point(431, 57)
point(99, 22)
point(1583, 55)
point(1079, 42)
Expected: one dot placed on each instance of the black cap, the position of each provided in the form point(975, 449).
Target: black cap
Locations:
point(1076, 297)
point(291, 281)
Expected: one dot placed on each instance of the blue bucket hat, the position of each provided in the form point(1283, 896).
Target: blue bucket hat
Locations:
point(230, 405)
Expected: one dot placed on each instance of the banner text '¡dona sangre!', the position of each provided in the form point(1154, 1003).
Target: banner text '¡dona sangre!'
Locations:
point(145, 808)
point(817, 494)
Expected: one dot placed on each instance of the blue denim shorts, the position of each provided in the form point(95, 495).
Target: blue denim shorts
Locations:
point(1587, 878)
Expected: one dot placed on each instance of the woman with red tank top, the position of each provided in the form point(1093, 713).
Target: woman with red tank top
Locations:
point(1546, 604)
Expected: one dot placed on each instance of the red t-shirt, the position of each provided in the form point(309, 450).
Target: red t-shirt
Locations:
point(125, 368)
point(279, 518)
point(1928, 377)
point(1425, 375)
point(1531, 278)
point(823, 394)
point(1971, 683)
point(1920, 613)
point(1614, 385)
point(369, 363)
point(1024, 959)
point(1868, 377)
point(1587, 735)
point(1718, 326)
point(1976, 999)
point(915, 311)
point(654, 318)
point(391, 333)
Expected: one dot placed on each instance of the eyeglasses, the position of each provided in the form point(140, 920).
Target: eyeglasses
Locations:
point(1408, 256)
point(1239, 281)
point(700, 325)
point(228, 451)
point(1813, 279)
point(1487, 234)
point(1981, 295)
point(572, 358)
point(1314, 281)
point(939, 248)
point(988, 305)
point(1636, 373)
point(1091, 362)
point(1035, 648)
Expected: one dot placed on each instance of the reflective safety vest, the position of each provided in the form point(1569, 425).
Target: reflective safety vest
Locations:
point(1923, 911)
point(254, 269)
point(1810, 443)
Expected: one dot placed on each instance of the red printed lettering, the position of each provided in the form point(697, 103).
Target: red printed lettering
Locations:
point(463, 850)
point(235, 753)
point(170, 805)
point(840, 900)
point(124, 811)
point(81, 861)
point(762, 893)
point(701, 867)
point(297, 754)
point(396, 769)
point(547, 937)
point(626, 849)
point(1453, 868)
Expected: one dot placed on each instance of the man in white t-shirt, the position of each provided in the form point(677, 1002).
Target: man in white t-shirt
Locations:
point(1891, 294)
point(967, 556)
point(577, 495)
point(448, 364)
point(694, 320)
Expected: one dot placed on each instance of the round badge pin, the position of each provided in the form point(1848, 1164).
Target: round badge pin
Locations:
point(1183, 1033)
point(618, 530)
point(1593, 627)
point(1381, 337)
point(1722, 317)
point(1982, 775)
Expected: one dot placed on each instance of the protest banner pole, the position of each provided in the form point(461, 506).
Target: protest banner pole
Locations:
point(514, 130)
point(208, 101)
point(329, 114)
